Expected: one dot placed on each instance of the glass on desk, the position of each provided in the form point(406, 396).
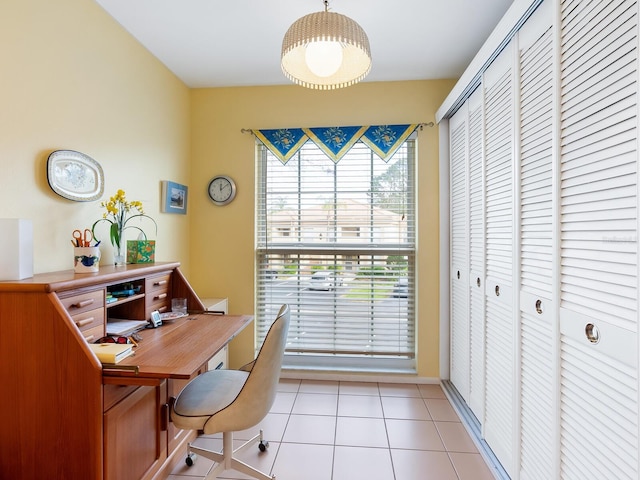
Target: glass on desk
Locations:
point(179, 305)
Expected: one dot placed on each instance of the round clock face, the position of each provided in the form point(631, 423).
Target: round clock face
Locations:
point(222, 190)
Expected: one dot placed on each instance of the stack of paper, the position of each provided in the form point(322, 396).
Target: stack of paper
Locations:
point(123, 327)
point(111, 352)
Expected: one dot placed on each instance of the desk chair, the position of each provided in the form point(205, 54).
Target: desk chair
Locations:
point(233, 400)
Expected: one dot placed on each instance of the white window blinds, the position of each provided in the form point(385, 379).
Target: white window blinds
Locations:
point(336, 241)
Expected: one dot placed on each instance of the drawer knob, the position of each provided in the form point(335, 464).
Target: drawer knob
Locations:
point(159, 283)
point(160, 297)
point(84, 321)
point(83, 303)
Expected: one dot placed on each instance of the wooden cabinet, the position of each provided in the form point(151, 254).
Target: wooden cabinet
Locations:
point(66, 417)
point(135, 434)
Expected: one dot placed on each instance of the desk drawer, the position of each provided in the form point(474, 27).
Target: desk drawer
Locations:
point(156, 286)
point(93, 334)
point(83, 302)
point(91, 319)
point(114, 393)
point(157, 294)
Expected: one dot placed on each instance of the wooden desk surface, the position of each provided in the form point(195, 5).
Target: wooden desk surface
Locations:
point(178, 349)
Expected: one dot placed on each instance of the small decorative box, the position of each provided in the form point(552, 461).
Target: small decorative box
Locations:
point(141, 251)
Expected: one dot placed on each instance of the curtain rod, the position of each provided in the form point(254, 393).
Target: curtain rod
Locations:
point(420, 126)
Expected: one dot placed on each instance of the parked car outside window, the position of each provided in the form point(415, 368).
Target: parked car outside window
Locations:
point(401, 288)
point(323, 280)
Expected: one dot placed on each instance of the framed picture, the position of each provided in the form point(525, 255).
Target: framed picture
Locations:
point(174, 197)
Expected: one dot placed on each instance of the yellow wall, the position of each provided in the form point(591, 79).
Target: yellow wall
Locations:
point(72, 78)
point(222, 240)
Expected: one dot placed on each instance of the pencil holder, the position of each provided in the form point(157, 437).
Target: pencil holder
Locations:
point(86, 259)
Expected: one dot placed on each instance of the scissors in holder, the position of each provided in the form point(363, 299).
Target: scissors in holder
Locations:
point(83, 239)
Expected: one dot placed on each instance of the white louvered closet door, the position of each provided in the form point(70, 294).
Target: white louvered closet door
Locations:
point(476, 237)
point(538, 385)
point(599, 240)
point(499, 233)
point(459, 253)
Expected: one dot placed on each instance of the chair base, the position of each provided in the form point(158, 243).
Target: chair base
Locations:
point(226, 459)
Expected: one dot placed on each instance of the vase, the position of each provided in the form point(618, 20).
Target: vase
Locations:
point(119, 256)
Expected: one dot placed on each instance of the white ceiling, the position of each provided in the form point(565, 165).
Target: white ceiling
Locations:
point(215, 43)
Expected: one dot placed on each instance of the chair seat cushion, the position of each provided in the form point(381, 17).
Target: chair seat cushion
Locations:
point(205, 395)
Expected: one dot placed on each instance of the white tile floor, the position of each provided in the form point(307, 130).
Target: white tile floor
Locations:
point(321, 430)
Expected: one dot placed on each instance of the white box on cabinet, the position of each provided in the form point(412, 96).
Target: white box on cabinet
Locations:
point(16, 248)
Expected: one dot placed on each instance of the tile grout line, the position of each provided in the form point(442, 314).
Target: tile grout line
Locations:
point(386, 429)
point(335, 434)
point(273, 464)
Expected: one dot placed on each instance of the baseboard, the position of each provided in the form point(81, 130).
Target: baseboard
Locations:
point(470, 422)
point(357, 377)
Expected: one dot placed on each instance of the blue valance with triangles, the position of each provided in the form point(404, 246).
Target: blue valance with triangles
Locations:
point(383, 140)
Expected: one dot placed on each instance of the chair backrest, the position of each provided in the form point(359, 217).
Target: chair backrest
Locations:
point(259, 391)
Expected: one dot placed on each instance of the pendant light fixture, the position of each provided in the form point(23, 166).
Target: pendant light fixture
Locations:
point(325, 50)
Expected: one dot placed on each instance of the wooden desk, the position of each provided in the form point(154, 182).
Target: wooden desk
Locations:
point(178, 350)
point(65, 417)
point(166, 358)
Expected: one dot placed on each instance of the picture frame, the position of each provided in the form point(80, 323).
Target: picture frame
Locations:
point(174, 197)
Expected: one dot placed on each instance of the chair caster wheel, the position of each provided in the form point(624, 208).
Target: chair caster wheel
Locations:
point(262, 446)
point(190, 460)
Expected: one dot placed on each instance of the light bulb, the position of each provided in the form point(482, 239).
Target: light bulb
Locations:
point(323, 58)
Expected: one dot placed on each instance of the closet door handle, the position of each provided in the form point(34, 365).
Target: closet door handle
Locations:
point(539, 306)
point(592, 332)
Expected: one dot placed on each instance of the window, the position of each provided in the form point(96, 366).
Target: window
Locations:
point(336, 241)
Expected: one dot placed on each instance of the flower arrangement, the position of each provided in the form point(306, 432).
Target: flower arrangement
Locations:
point(119, 212)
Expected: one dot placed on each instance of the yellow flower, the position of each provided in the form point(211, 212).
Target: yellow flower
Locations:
point(117, 210)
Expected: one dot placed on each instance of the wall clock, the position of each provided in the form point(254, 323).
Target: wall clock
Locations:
point(222, 190)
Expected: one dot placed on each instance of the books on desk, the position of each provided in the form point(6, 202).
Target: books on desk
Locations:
point(111, 352)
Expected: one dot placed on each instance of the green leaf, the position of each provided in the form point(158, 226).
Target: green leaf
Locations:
point(115, 234)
